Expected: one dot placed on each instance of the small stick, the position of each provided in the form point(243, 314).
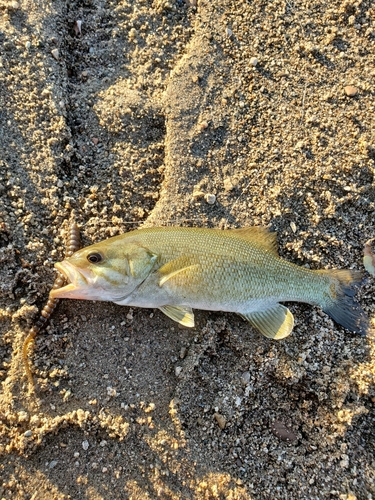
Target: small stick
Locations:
point(73, 243)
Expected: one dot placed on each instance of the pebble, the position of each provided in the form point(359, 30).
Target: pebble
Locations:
point(210, 198)
point(85, 445)
point(60, 183)
point(245, 378)
point(28, 434)
point(178, 370)
point(183, 352)
point(78, 27)
point(111, 391)
point(228, 186)
point(282, 432)
point(27, 45)
point(52, 464)
point(221, 420)
point(369, 256)
point(350, 90)
point(198, 194)
point(293, 227)
point(55, 53)
point(253, 61)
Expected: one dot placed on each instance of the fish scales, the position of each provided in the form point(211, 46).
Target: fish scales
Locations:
point(177, 269)
point(239, 271)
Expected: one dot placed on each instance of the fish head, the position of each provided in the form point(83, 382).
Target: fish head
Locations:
point(109, 270)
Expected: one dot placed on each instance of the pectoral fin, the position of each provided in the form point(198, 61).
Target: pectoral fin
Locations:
point(171, 269)
point(182, 314)
point(274, 323)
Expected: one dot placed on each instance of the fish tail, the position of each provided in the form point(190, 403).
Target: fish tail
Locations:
point(339, 302)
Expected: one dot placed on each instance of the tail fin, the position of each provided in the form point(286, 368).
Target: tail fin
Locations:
point(339, 302)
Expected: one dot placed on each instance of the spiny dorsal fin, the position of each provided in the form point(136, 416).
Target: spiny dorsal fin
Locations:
point(274, 323)
point(257, 235)
point(182, 314)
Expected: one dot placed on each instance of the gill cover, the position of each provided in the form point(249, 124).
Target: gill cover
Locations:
point(140, 261)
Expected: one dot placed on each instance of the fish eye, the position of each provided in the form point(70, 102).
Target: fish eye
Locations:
point(94, 257)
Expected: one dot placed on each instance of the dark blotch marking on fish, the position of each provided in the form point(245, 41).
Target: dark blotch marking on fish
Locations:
point(282, 432)
point(73, 243)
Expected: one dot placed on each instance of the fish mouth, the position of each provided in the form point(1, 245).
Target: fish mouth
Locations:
point(77, 282)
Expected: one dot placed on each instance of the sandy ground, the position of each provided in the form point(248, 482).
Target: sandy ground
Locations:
point(215, 114)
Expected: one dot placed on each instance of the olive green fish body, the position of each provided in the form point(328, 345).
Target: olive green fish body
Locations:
point(177, 269)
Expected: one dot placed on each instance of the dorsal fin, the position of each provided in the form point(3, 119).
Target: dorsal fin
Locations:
point(257, 235)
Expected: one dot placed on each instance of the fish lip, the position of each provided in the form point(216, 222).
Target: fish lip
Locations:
point(75, 278)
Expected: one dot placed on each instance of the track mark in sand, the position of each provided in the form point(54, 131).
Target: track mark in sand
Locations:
point(115, 111)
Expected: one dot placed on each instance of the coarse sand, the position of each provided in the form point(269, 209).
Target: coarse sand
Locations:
point(223, 113)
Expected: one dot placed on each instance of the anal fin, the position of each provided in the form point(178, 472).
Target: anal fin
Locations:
point(182, 314)
point(274, 323)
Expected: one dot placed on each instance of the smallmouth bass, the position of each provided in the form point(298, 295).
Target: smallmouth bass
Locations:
point(176, 269)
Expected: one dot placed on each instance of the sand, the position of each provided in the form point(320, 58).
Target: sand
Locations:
point(136, 113)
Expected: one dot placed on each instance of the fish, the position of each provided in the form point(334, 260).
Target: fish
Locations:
point(178, 269)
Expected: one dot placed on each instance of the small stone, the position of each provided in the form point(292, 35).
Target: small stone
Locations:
point(55, 53)
point(293, 227)
point(60, 183)
point(85, 445)
point(52, 464)
point(369, 256)
point(178, 370)
point(221, 420)
point(28, 434)
point(253, 61)
point(203, 125)
point(183, 352)
point(210, 198)
point(78, 27)
point(282, 432)
point(245, 378)
point(198, 194)
point(228, 186)
point(350, 90)
point(228, 32)
point(95, 140)
point(111, 391)
point(27, 45)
